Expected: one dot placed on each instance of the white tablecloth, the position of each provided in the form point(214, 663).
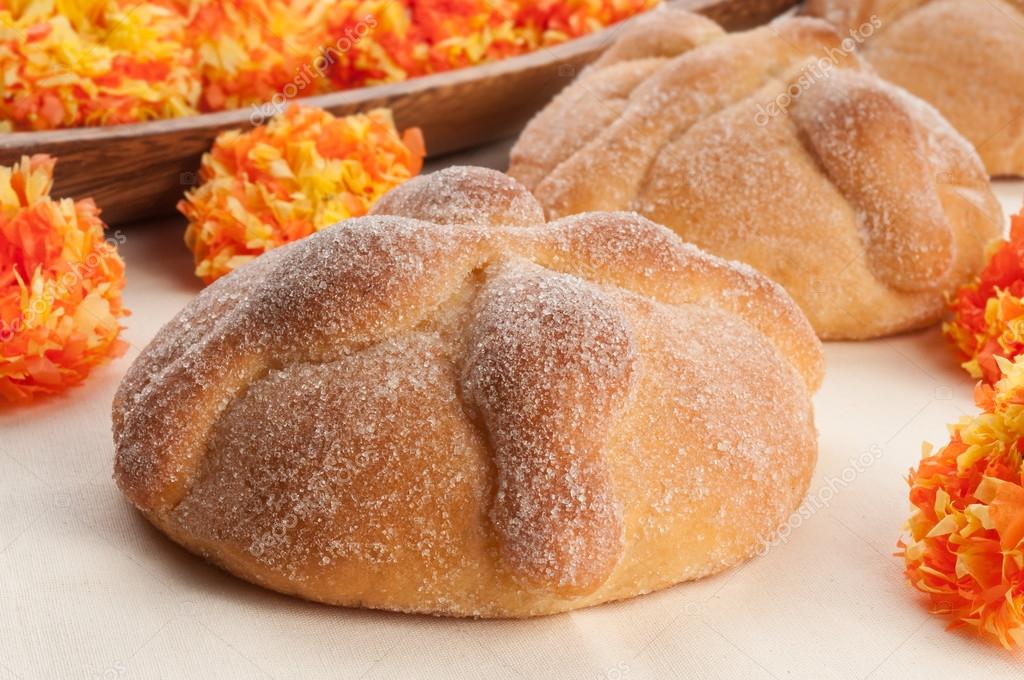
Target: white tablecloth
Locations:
point(89, 590)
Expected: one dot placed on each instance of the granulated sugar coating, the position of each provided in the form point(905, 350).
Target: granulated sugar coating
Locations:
point(780, 148)
point(489, 417)
point(461, 195)
point(961, 56)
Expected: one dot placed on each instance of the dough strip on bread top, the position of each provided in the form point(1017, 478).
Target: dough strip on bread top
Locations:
point(528, 318)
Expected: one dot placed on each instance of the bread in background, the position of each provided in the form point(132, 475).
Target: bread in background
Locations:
point(961, 56)
point(779, 147)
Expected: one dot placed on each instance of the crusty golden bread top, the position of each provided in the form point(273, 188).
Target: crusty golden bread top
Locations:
point(761, 145)
point(961, 56)
point(851, 15)
point(547, 360)
point(867, 137)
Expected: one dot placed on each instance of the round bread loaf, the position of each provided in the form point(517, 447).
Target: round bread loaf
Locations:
point(780, 148)
point(476, 415)
point(962, 56)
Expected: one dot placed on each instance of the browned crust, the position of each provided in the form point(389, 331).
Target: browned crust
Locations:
point(457, 195)
point(473, 419)
point(629, 251)
point(507, 379)
point(961, 56)
point(663, 33)
point(234, 334)
point(855, 196)
point(869, 146)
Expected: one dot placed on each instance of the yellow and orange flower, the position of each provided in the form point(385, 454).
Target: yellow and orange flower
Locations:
point(988, 313)
point(60, 285)
point(561, 20)
point(371, 42)
point(70, 63)
point(966, 543)
point(460, 33)
point(303, 171)
point(247, 51)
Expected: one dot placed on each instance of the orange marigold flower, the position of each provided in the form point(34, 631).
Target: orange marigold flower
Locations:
point(371, 42)
point(248, 51)
point(60, 285)
point(93, 62)
point(408, 38)
point(988, 319)
point(966, 543)
point(560, 20)
point(303, 171)
point(100, 62)
point(460, 33)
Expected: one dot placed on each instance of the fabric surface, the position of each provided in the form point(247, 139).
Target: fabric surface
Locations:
point(89, 590)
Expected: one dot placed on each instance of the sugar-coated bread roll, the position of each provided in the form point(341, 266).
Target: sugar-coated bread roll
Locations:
point(480, 415)
point(780, 148)
point(962, 56)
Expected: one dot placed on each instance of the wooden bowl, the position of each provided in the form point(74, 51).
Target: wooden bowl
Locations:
point(141, 170)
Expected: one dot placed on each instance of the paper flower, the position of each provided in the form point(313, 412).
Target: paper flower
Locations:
point(560, 20)
point(98, 62)
point(966, 543)
point(303, 171)
point(102, 62)
point(378, 41)
point(988, 319)
point(371, 42)
point(60, 285)
point(385, 41)
point(460, 33)
point(248, 51)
